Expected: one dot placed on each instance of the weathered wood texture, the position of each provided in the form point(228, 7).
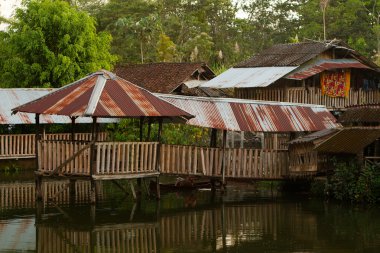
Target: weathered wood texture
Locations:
point(23, 145)
point(303, 159)
point(125, 157)
point(112, 158)
point(239, 163)
point(310, 96)
point(137, 238)
point(22, 195)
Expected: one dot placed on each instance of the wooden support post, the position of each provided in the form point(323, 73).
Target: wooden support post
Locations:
point(222, 187)
point(72, 191)
point(149, 129)
point(140, 158)
point(39, 196)
point(133, 190)
point(37, 138)
point(141, 128)
point(213, 141)
point(72, 128)
point(38, 179)
point(158, 157)
point(93, 192)
point(94, 134)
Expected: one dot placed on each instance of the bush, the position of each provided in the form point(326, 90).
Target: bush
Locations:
point(354, 183)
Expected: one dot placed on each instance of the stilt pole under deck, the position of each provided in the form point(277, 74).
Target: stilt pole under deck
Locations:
point(224, 160)
point(92, 160)
point(158, 157)
point(38, 179)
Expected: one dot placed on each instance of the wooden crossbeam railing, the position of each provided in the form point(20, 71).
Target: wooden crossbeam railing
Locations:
point(239, 163)
point(23, 145)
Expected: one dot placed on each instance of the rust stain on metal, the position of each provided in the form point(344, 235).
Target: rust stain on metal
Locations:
point(254, 116)
point(117, 98)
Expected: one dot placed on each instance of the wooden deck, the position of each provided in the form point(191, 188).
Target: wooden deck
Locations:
point(310, 96)
point(118, 160)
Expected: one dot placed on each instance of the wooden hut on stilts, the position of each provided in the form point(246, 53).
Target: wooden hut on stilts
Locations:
point(100, 95)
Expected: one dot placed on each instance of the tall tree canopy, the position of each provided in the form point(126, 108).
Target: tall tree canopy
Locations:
point(51, 43)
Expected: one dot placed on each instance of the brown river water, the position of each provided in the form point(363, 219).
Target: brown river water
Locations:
point(242, 220)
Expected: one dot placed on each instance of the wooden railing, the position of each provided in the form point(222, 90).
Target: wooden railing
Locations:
point(53, 154)
point(111, 158)
point(125, 157)
point(23, 145)
point(17, 145)
point(256, 163)
point(310, 96)
point(240, 163)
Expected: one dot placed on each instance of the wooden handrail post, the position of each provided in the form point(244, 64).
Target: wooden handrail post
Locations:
point(92, 160)
point(224, 160)
point(158, 160)
point(38, 180)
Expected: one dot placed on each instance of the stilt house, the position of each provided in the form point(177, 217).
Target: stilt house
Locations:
point(328, 73)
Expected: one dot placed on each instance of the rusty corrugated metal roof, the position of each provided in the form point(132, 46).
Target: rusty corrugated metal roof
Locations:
point(102, 94)
point(350, 140)
point(13, 97)
point(321, 65)
point(248, 77)
point(253, 116)
point(361, 114)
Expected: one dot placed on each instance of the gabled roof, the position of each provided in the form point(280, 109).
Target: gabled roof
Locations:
point(345, 140)
point(102, 94)
point(293, 54)
point(163, 77)
point(253, 116)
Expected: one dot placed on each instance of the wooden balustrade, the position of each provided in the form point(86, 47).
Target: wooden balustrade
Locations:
point(17, 145)
point(125, 157)
point(256, 163)
point(54, 153)
point(310, 96)
point(240, 163)
point(23, 145)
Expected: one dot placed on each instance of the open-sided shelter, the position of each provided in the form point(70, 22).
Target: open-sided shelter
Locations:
point(100, 95)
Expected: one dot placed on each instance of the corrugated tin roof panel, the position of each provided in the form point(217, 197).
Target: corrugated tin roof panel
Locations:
point(248, 77)
point(13, 97)
point(102, 94)
point(253, 116)
point(321, 65)
point(350, 140)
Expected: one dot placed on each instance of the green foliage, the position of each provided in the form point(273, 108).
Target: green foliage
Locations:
point(129, 130)
point(353, 183)
point(166, 49)
point(51, 43)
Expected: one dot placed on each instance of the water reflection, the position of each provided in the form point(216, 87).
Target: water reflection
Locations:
point(208, 224)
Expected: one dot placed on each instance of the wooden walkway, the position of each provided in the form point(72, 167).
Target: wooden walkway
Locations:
point(138, 159)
